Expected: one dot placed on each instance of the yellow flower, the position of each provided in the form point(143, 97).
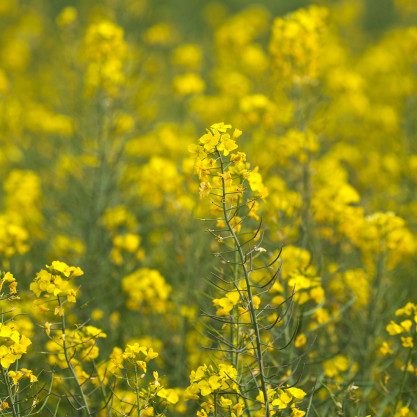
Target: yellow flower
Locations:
point(225, 305)
point(8, 278)
point(256, 184)
point(300, 340)
point(406, 325)
point(256, 301)
point(190, 83)
point(226, 145)
point(394, 328)
point(407, 342)
point(296, 393)
point(4, 406)
point(105, 51)
point(147, 290)
point(403, 412)
point(67, 17)
point(295, 412)
point(385, 349)
point(168, 394)
point(297, 44)
point(55, 280)
point(336, 365)
point(225, 402)
point(48, 328)
point(147, 412)
point(407, 310)
point(282, 401)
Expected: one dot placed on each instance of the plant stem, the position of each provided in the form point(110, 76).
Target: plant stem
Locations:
point(254, 322)
point(9, 392)
point(68, 360)
point(137, 390)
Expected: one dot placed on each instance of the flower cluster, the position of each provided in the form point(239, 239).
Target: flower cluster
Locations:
point(105, 51)
point(6, 278)
point(206, 382)
point(135, 354)
point(12, 344)
point(297, 44)
point(406, 328)
point(218, 162)
point(282, 399)
point(146, 290)
point(55, 281)
point(16, 376)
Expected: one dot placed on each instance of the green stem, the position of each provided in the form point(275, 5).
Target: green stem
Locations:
point(404, 378)
point(137, 390)
point(373, 312)
point(9, 392)
point(254, 322)
point(68, 360)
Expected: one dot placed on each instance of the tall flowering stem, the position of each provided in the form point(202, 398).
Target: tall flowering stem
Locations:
point(246, 273)
point(245, 330)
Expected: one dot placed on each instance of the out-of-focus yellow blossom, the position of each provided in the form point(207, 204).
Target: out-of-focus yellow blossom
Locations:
point(67, 247)
point(258, 108)
point(126, 243)
point(67, 16)
point(160, 34)
point(4, 83)
point(39, 119)
point(256, 184)
point(385, 349)
point(189, 83)
point(13, 238)
point(81, 346)
point(335, 366)
point(168, 394)
point(403, 331)
point(385, 234)
point(355, 282)
point(119, 218)
point(22, 201)
point(158, 180)
point(147, 291)
point(7, 6)
point(403, 412)
point(105, 52)
point(300, 277)
point(241, 29)
point(297, 44)
point(300, 341)
point(225, 305)
point(188, 56)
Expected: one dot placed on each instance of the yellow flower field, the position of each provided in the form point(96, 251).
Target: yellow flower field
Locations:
point(208, 208)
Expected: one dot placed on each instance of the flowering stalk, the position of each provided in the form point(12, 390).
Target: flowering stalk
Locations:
point(68, 359)
point(242, 260)
point(235, 190)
